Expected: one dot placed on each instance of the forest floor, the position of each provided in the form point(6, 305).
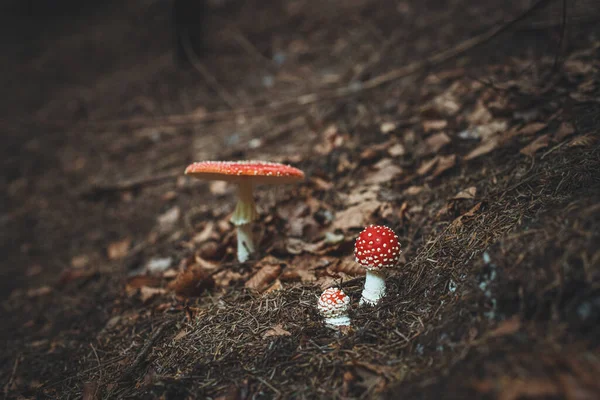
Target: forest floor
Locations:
point(478, 146)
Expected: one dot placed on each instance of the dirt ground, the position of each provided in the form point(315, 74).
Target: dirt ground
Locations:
point(469, 127)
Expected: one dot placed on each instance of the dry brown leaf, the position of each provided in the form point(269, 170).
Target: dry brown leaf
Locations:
point(397, 150)
point(468, 193)
point(582, 141)
point(480, 115)
point(531, 129)
point(205, 234)
point(413, 190)
point(459, 220)
point(434, 125)
point(362, 193)
point(565, 129)
point(138, 281)
point(483, 148)
point(191, 282)
point(168, 219)
point(356, 216)
point(506, 327)
point(444, 164)
point(386, 171)
point(436, 142)
point(118, 249)
point(147, 293)
point(90, 391)
point(227, 277)
point(269, 271)
point(426, 166)
point(276, 330)
point(80, 261)
point(274, 286)
point(387, 127)
point(40, 291)
point(536, 145)
point(348, 266)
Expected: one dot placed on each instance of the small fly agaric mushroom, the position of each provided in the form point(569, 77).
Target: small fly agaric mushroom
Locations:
point(376, 247)
point(333, 305)
point(245, 174)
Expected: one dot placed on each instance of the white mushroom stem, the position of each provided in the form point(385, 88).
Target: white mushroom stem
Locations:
point(245, 244)
point(340, 320)
point(245, 212)
point(374, 288)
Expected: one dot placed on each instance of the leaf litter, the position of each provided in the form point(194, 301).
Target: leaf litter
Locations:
point(205, 324)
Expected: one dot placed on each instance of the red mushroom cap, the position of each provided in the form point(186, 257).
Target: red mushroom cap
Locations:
point(333, 303)
point(377, 247)
point(260, 172)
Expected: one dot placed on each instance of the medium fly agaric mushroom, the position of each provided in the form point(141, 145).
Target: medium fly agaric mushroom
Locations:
point(246, 174)
point(376, 247)
point(333, 305)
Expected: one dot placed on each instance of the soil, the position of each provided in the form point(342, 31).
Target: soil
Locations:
point(468, 127)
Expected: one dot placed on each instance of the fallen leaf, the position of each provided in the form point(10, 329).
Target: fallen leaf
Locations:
point(480, 115)
point(147, 293)
point(413, 190)
point(426, 166)
point(436, 142)
point(387, 127)
point(484, 148)
point(485, 131)
point(348, 266)
point(118, 249)
point(386, 171)
point(276, 330)
point(434, 125)
point(582, 141)
point(80, 261)
point(565, 129)
point(531, 129)
point(396, 150)
point(535, 145)
point(138, 281)
point(459, 220)
point(270, 268)
point(168, 219)
point(274, 286)
point(468, 193)
point(444, 164)
point(90, 391)
point(191, 282)
point(356, 216)
point(506, 327)
point(40, 291)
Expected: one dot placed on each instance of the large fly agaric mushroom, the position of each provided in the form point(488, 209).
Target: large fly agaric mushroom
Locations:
point(376, 247)
point(333, 305)
point(245, 174)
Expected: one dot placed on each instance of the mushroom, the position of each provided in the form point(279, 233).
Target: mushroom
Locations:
point(376, 247)
point(245, 174)
point(333, 305)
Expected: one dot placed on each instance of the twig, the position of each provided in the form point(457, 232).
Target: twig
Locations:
point(99, 365)
point(139, 359)
point(12, 376)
